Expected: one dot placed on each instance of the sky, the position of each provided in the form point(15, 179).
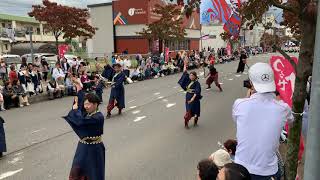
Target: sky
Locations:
point(22, 7)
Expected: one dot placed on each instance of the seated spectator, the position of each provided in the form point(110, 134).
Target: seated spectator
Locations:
point(54, 90)
point(233, 171)
point(157, 71)
point(9, 97)
point(20, 92)
point(59, 76)
point(36, 80)
point(85, 81)
point(207, 170)
point(165, 69)
point(13, 75)
point(220, 158)
point(136, 75)
point(71, 90)
point(149, 72)
point(2, 103)
point(173, 68)
point(231, 146)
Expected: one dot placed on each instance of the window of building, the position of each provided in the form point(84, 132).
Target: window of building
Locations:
point(38, 31)
point(3, 25)
point(6, 47)
point(178, 45)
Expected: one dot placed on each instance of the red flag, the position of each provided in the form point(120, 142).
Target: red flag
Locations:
point(63, 49)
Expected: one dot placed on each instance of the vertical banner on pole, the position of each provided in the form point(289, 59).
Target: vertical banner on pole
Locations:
point(63, 48)
point(166, 54)
point(285, 76)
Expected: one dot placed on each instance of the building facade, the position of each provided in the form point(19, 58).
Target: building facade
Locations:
point(14, 30)
point(211, 36)
point(119, 22)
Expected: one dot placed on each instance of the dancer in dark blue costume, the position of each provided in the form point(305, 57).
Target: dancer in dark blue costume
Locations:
point(117, 91)
point(189, 83)
point(3, 147)
point(87, 122)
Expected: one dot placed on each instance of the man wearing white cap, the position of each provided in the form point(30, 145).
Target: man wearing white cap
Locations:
point(259, 120)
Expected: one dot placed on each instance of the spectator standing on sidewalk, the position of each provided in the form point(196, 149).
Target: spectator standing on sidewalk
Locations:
point(259, 121)
point(44, 68)
point(3, 70)
point(13, 75)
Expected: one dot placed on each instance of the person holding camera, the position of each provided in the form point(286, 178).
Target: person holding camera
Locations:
point(20, 92)
point(259, 121)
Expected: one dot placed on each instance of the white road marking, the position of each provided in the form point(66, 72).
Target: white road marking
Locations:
point(15, 160)
point(131, 101)
point(139, 118)
point(157, 93)
point(132, 107)
point(18, 154)
point(9, 173)
point(161, 97)
point(165, 100)
point(175, 87)
point(238, 75)
point(181, 90)
point(230, 79)
point(245, 73)
point(221, 83)
point(170, 105)
point(37, 130)
point(208, 89)
point(136, 112)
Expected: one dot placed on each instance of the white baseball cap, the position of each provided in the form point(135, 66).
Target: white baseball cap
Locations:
point(262, 78)
point(221, 157)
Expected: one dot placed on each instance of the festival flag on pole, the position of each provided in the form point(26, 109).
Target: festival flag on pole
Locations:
point(232, 26)
point(214, 9)
point(62, 48)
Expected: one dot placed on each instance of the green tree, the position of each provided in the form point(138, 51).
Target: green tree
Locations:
point(166, 29)
point(63, 20)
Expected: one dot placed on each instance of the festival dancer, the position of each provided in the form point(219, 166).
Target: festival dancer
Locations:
point(87, 122)
point(117, 91)
point(213, 77)
point(3, 147)
point(189, 83)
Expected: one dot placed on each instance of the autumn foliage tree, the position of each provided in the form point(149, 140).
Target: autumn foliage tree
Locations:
point(166, 29)
point(69, 22)
point(300, 16)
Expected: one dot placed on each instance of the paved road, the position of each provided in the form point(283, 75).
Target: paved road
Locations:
point(147, 142)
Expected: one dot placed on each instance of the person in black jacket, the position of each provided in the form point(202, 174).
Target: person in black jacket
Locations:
point(3, 147)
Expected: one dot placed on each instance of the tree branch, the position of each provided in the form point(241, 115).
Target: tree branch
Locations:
point(291, 61)
point(284, 7)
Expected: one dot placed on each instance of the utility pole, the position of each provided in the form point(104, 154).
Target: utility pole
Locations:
point(311, 167)
point(31, 43)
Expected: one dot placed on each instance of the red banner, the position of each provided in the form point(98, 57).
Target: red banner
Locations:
point(285, 76)
point(63, 48)
point(166, 54)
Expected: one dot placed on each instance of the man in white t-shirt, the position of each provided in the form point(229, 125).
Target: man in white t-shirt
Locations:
point(259, 120)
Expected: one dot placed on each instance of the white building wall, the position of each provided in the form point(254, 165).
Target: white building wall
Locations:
point(102, 42)
point(214, 42)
